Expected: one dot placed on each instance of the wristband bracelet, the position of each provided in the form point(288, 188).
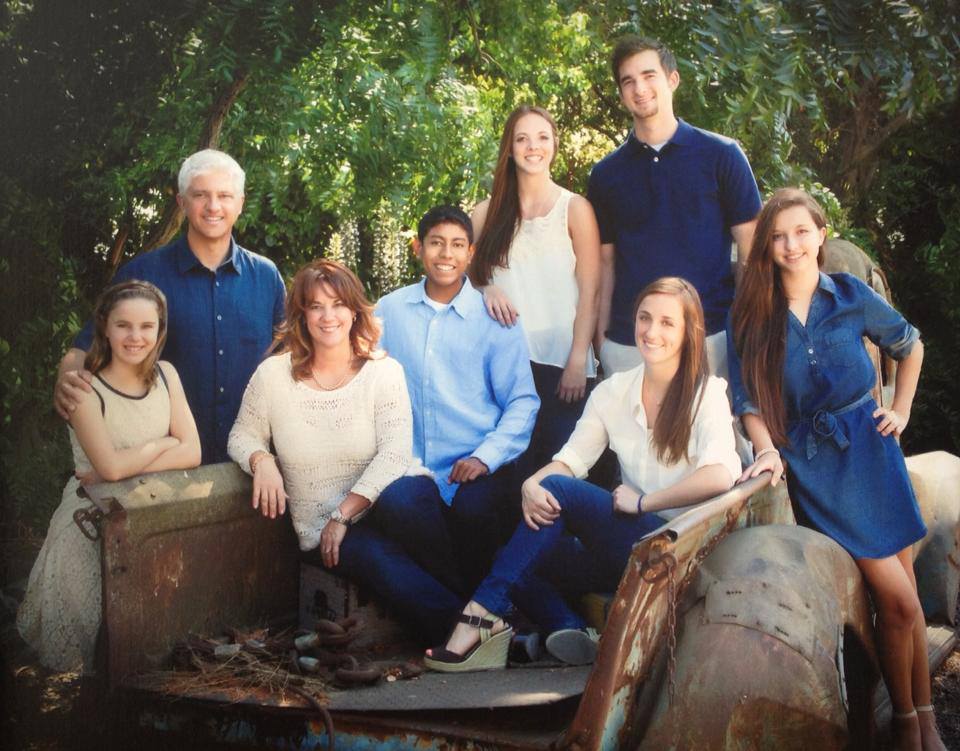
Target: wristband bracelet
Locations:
point(770, 450)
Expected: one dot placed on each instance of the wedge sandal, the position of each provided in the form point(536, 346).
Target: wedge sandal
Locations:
point(490, 653)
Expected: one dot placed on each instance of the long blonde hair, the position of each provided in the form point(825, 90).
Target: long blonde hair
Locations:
point(100, 354)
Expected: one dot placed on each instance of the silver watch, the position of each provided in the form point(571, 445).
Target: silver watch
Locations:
point(337, 516)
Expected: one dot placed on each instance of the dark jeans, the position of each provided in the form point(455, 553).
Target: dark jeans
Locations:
point(556, 419)
point(421, 557)
point(537, 568)
point(383, 567)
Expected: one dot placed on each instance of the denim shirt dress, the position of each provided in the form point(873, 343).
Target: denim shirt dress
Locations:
point(844, 478)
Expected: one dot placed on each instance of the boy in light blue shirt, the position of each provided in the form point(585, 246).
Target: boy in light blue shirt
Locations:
point(474, 406)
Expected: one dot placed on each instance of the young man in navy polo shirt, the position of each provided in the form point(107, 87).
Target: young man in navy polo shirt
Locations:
point(669, 201)
point(223, 303)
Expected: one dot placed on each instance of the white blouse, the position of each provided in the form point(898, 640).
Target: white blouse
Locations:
point(614, 416)
point(540, 280)
point(356, 438)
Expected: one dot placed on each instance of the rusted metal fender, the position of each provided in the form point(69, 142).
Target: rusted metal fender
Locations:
point(607, 716)
point(184, 552)
point(936, 481)
point(760, 651)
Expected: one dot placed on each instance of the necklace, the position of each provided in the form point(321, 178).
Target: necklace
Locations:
point(334, 387)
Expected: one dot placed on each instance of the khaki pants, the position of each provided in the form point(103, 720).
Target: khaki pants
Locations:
point(616, 358)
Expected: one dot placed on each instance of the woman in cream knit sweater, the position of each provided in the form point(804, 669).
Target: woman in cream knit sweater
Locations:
point(337, 413)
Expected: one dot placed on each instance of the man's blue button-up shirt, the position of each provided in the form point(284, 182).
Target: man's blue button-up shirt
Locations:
point(220, 327)
point(469, 379)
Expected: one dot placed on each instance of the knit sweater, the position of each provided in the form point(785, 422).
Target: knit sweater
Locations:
point(356, 438)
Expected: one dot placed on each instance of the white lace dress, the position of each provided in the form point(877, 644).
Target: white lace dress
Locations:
point(60, 614)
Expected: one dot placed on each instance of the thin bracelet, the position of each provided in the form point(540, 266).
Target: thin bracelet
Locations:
point(640, 503)
point(771, 450)
point(257, 459)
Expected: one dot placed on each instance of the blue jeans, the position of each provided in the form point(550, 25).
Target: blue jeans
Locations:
point(381, 566)
point(455, 544)
point(537, 568)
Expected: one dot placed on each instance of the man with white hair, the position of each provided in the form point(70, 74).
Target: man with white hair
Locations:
point(224, 302)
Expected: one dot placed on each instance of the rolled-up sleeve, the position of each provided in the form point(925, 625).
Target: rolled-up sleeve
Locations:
point(714, 441)
point(742, 404)
point(885, 326)
point(589, 437)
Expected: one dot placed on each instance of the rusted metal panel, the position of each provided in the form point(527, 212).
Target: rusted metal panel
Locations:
point(184, 552)
point(639, 613)
point(771, 611)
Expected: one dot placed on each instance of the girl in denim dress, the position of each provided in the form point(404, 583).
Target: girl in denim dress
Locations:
point(801, 381)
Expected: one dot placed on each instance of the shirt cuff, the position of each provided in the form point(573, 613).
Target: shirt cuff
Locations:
point(488, 456)
point(903, 348)
point(569, 457)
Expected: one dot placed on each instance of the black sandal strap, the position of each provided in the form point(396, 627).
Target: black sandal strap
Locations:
point(442, 654)
point(476, 621)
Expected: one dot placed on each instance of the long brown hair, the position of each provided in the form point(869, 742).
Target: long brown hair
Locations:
point(759, 313)
point(503, 212)
point(292, 335)
point(671, 431)
point(100, 354)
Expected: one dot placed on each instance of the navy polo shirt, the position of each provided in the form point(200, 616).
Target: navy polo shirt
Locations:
point(669, 213)
point(220, 327)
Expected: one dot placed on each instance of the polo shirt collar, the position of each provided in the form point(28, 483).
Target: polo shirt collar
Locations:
point(464, 303)
point(186, 260)
point(681, 137)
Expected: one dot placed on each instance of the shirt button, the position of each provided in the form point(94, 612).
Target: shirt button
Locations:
point(221, 389)
point(217, 284)
point(656, 159)
point(810, 351)
point(812, 362)
point(219, 351)
point(219, 317)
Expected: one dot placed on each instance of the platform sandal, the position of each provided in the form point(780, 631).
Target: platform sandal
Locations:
point(490, 653)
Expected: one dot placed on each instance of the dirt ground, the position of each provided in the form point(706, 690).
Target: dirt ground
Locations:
point(44, 711)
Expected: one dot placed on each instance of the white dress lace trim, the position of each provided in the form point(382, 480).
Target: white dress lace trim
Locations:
point(61, 611)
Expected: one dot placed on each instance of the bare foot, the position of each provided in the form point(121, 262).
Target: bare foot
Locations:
point(929, 733)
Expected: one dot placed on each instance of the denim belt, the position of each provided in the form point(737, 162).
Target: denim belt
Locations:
point(824, 426)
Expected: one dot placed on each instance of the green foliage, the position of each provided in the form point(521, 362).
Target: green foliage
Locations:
point(352, 119)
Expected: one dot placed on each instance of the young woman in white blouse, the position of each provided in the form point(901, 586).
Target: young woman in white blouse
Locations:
point(337, 412)
point(670, 425)
point(538, 263)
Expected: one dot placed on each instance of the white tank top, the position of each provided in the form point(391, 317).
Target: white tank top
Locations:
point(540, 282)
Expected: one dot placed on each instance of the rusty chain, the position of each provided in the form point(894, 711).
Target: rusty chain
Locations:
point(662, 563)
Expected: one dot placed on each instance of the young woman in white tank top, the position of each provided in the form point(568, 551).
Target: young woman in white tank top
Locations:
point(537, 262)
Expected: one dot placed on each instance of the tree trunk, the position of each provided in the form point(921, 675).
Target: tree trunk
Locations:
point(209, 139)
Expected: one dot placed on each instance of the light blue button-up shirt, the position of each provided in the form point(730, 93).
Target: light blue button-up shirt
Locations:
point(469, 380)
